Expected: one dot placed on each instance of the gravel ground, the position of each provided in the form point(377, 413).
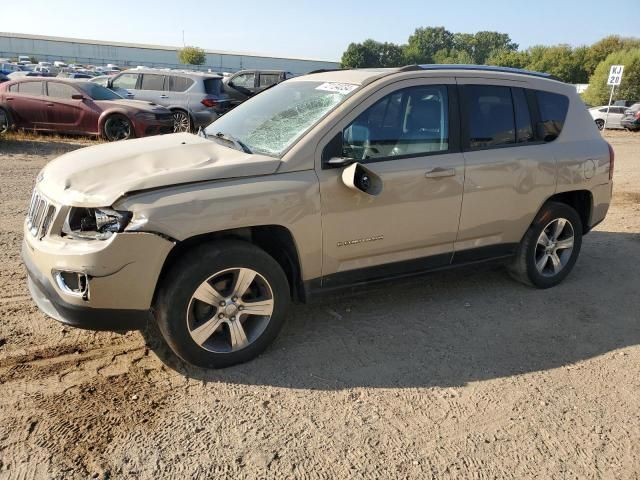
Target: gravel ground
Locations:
point(469, 375)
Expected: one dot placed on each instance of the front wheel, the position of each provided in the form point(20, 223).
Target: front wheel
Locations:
point(550, 248)
point(600, 124)
point(117, 127)
point(222, 304)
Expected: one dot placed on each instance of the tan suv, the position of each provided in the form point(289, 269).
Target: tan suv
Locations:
point(323, 181)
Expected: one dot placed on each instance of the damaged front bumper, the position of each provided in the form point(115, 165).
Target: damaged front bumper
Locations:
point(116, 278)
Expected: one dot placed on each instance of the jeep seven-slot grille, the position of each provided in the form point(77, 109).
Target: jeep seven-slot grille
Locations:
point(40, 215)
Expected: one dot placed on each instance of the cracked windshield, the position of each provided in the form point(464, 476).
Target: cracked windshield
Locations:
point(272, 121)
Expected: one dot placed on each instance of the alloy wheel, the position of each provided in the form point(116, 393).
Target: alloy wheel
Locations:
point(554, 247)
point(230, 310)
point(117, 128)
point(181, 122)
point(600, 124)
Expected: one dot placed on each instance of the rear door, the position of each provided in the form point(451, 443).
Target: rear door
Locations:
point(27, 104)
point(175, 94)
point(65, 114)
point(510, 168)
point(266, 80)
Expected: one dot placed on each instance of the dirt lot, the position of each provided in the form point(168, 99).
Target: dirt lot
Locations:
point(470, 375)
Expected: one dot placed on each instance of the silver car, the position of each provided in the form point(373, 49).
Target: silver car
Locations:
point(195, 99)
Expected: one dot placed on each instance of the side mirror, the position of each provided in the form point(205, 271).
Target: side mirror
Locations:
point(358, 177)
point(77, 96)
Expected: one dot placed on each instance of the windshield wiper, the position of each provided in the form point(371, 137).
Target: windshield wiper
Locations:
point(236, 143)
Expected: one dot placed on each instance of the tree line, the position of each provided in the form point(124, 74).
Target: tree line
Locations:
point(583, 64)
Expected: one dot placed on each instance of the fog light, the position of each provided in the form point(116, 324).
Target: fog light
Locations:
point(72, 283)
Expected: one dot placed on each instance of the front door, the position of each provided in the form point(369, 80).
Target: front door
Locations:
point(407, 134)
point(65, 114)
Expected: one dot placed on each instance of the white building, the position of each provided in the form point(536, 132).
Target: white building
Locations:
point(97, 52)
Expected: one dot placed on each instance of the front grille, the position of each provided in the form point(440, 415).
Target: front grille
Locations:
point(40, 215)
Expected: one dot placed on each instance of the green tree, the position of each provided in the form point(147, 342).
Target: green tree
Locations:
point(507, 58)
point(192, 56)
point(425, 42)
point(560, 60)
point(598, 91)
point(372, 54)
point(600, 50)
point(485, 43)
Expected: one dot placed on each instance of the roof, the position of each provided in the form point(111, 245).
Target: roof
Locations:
point(173, 71)
point(363, 76)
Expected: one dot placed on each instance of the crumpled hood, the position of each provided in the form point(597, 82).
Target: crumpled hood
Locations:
point(97, 176)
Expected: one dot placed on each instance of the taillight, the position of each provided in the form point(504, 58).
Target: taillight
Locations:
point(612, 159)
point(209, 103)
point(638, 114)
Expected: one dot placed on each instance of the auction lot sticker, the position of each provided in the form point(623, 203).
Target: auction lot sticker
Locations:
point(342, 88)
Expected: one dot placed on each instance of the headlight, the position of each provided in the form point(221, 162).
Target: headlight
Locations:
point(95, 223)
point(145, 116)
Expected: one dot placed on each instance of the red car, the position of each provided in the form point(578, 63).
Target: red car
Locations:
point(78, 107)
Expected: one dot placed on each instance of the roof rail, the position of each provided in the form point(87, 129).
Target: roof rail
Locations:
point(324, 70)
point(482, 68)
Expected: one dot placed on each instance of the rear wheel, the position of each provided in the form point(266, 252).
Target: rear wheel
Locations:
point(181, 121)
point(222, 304)
point(117, 127)
point(600, 124)
point(550, 248)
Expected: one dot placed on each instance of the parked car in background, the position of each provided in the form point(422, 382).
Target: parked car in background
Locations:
point(624, 103)
point(75, 75)
point(196, 99)
point(24, 59)
point(7, 68)
point(631, 118)
point(3, 78)
point(79, 107)
point(246, 83)
point(25, 73)
point(599, 115)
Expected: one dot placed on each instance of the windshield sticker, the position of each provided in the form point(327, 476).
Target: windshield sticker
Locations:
point(341, 88)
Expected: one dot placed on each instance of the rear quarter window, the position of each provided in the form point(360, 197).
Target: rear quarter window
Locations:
point(553, 113)
point(179, 84)
point(213, 86)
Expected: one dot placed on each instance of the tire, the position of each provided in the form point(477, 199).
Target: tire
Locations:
point(205, 333)
point(600, 124)
point(533, 250)
point(117, 127)
point(181, 121)
point(6, 122)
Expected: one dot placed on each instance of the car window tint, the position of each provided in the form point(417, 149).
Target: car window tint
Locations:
point(267, 79)
point(411, 121)
point(152, 82)
point(60, 90)
point(213, 86)
point(490, 116)
point(31, 88)
point(246, 80)
point(524, 128)
point(126, 81)
point(553, 112)
point(179, 84)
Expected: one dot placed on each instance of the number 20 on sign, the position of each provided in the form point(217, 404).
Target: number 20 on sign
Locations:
point(615, 74)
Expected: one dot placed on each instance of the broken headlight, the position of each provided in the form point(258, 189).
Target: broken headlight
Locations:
point(95, 223)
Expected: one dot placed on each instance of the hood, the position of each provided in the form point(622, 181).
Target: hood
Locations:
point(137, 104)
point(97, 176)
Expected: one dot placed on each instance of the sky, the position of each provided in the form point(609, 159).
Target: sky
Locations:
point(313, 29)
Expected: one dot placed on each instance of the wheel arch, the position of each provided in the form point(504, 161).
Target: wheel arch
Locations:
point(581, 201)
point(276, 240)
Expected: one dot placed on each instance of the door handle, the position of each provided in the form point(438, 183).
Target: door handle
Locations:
point(9, 99)
point(50, 105)
point(164, 96)
point(440, 172)
point(130, 95)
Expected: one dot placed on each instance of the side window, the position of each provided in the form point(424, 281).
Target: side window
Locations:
point(126, 81)
point(31, 88)
point(246, 80)
point(179, 84)
point(411, 121)
point(60, 90)
point(524, 128)
point(490, 116)
point(152, 82)
point(553, 112)
point(267, 79)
